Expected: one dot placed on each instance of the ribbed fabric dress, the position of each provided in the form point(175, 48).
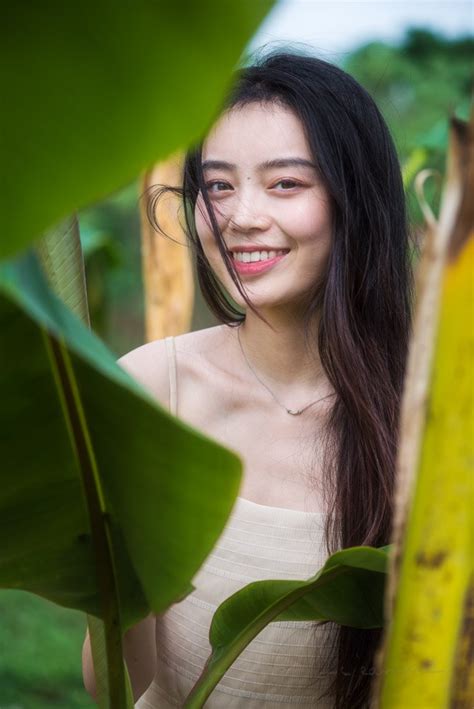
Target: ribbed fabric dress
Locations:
point(280, 666)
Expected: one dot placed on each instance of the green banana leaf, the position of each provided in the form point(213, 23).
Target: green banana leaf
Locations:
point(60, 254)
point(95, 92)
point(348, 589)
point(61, 258)
point(96, 120)
point(164, 491)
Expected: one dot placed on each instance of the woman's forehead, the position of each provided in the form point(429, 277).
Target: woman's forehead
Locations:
point(256, 132)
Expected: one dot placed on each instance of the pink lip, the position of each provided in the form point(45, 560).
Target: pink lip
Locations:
point(257, 266)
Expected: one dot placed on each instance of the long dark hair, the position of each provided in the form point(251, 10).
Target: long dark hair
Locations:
point(363, 303)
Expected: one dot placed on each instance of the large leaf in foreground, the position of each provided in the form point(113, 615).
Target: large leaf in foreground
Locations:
point(348, 589)
point(95, 92)
point(60, 255)
point(167, 490)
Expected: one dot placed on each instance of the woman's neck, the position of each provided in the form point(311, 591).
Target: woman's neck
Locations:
point(280, 356)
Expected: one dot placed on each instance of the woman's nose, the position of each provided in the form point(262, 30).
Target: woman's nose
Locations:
point(247, 216)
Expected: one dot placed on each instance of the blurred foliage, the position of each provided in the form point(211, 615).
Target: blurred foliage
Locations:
point(417, 84)
point(110, 235)
point(36, 676)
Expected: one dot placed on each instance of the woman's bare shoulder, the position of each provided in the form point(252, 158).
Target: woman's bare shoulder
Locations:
point(202, 342)
point(207, 355)
point(148, 363)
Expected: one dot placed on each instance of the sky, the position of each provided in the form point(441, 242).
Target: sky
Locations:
point(336, 27)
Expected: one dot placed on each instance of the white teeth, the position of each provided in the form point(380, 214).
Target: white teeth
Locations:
point(253, 256)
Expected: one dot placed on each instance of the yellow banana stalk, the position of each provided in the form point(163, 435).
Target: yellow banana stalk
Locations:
point(426, 658)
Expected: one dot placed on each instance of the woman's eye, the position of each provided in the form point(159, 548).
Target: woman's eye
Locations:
point(217, 186)
point(287, 184)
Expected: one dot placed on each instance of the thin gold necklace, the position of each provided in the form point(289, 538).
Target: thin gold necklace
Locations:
point(292, 412)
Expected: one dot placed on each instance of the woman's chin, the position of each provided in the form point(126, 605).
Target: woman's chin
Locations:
point(262, 301)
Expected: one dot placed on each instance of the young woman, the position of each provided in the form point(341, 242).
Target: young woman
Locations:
point(295, 210)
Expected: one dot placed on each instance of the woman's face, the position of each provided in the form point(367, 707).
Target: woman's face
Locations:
point(271, 206)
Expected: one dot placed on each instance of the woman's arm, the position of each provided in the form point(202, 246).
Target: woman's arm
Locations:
point(139, 652)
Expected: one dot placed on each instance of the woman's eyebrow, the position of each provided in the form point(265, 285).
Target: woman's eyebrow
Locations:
point(267, 165)
point(286, 162)
point(218, 165)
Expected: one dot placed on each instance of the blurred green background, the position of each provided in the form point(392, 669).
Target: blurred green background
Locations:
point(417, 83)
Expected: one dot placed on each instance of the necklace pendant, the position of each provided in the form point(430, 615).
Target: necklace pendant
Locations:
point(293, 413)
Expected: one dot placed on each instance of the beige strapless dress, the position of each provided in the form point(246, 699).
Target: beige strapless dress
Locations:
point(282, 665)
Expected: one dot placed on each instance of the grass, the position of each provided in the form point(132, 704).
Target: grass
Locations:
point(40, 654)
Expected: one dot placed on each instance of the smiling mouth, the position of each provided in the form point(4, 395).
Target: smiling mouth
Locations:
point(257, 256)
point(257, 262)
